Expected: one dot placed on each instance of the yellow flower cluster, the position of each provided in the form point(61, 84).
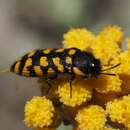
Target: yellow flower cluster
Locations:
point(108, 83)
point(125, 60)
point(100, 51)
point(85, 107)
point(39, 112)
point(80, 92)
point(119, 110)
point(92, 118)
point(112, 33)
point(80, 38)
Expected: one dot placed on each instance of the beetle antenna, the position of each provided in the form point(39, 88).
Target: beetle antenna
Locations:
point(112, 67)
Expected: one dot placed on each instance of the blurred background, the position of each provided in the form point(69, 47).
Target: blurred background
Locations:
point(31, 24)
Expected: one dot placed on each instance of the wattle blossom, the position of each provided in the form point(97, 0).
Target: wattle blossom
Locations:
point(93, 100)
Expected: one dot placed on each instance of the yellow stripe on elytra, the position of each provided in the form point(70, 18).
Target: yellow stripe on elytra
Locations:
point(57, 63)
point(46, 51)
point(43, 61)
point(31, 53)
point(59, 50)
point(38, 70)
point(68, 60)
point(78, 72)
point(16, 68)
point(72, 52)
point(50, 71)
point(28, 62)
point(25, 72)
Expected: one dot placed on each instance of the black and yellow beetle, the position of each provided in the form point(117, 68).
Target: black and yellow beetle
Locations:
point(49, 63)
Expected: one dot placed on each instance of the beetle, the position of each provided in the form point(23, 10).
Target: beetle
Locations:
point(49, 63)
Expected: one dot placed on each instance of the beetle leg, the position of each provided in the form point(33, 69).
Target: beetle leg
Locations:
point(49, 86)
point(48, 80)
point(71, 81)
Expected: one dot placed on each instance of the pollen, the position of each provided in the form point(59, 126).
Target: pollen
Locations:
point(39, 112)
point(105, 50)
point(106, 84)
point(80, 93)
point(92, 117)
point(112, 33)
point(125, 63)
point(119, 110)
point(78, 37)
